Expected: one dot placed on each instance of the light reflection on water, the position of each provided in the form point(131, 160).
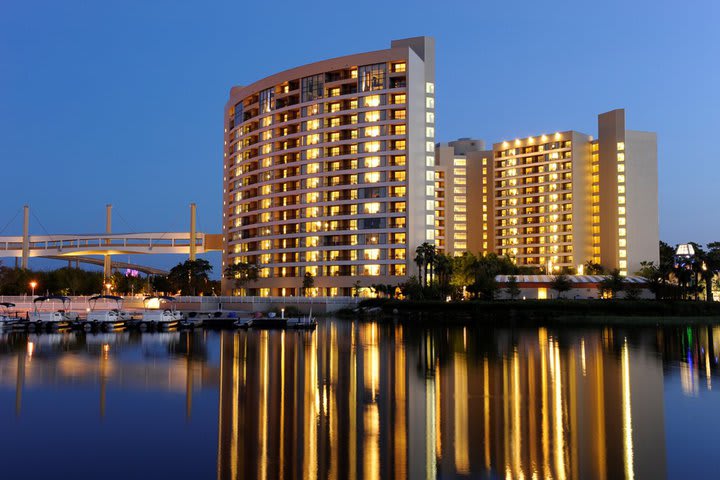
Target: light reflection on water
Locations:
point(368, 400)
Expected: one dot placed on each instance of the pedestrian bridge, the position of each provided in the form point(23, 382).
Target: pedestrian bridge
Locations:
point(110, 244)
point(79, 247)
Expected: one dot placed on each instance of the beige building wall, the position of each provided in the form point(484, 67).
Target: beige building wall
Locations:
point(329, 170)
point(542, 203)
point(458, 180)
point(629, 226)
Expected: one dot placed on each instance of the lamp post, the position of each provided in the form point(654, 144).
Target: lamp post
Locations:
point(33, 284)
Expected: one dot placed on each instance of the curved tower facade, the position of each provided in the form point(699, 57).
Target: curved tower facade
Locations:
point(329, 172)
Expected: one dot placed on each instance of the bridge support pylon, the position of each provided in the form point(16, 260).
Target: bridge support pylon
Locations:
point(107, 264)
point(193, 231)
point(26, 237)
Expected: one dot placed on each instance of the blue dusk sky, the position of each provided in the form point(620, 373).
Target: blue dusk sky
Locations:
point(121, 101)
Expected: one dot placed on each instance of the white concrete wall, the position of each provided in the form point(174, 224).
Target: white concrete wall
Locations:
point(641, 180)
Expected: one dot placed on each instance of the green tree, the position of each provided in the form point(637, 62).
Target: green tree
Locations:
point(243, 273)
point(443, 271)
point(612, 284)
point(308, 283)
point(191, 277)
point(425, 255)
point(512, 287)
point(561, 283)
point(592, 268)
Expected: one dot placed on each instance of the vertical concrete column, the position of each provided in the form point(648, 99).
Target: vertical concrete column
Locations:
point(193, 233)
point(26, 238)
point(107, 264)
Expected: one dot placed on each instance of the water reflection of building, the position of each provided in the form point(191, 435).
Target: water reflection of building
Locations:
point(376, 401)
point(544, 407)
point(179, 362)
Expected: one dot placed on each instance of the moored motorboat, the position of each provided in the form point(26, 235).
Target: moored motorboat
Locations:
point(53, 319)
point(105, 319)
point(7, 321)
point(159, 317)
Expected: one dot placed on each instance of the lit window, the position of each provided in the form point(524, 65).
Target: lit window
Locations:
point(371, 101)
point(372, 147)
point(399, 130)
point(371, 270)
point(621, 188)
point(622, 242)
point(459, 162)
point(430, 102)
point(334, 107)
point(429, 132)
point(430, 204)
point(312, 124)
point(429, 175)
point(460, 199)
point(430, 161)
point(459, 171)
point(399, 67)
point(430, 235)
point(312, 139)
point(621, 157)
point(429, 117)
point(430, 190)
point(398, 99)
point(460, 218)
point(460, 246)
point(621, 221)
point(621, 200)
point(621, 167)
point(620, 146)
point(372, 177)
point(372, 162)
point(372, 131)
point(313, 167)
point(372, 254)
point(621, 178)
point(429, 87)
point(373, 116)
point(373, 207)
point(429, 147)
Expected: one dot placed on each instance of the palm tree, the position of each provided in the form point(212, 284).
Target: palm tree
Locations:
point(419, 261)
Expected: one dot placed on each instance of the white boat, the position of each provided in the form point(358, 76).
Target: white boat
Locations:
point(6, 320)
point(52, 317)
point(162, 316)
point(106, 319)
point(306, 322)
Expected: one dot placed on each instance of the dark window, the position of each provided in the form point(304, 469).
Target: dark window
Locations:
point(266, 100)
point(371, 77)
point(312, 88)
point(238, 118)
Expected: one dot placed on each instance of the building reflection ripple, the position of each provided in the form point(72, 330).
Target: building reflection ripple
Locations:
point(366, 400)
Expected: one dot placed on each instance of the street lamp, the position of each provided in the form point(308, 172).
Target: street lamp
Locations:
point(33, 284)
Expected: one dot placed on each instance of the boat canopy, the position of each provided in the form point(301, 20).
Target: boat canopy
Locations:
point(7, 304)
point(160, 297)
point(52, 297)
point(108, 297)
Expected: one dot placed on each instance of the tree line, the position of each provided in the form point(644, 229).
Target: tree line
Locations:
point(191, 277)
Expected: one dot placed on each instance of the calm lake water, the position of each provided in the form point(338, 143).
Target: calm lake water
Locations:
point(362, 400)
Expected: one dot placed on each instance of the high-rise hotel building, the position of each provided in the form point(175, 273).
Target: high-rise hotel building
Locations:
point(329, 170)
point(553, 201)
